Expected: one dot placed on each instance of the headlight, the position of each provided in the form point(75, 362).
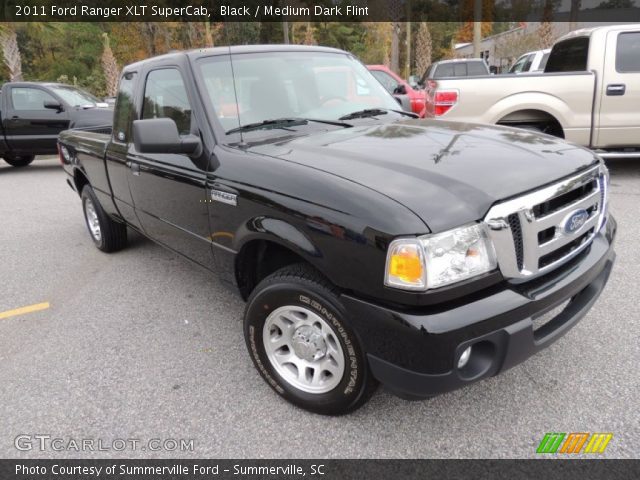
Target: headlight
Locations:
point(604, 179)
point(65, 153)
point(434, 261)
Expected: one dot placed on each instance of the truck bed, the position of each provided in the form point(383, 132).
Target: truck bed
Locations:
point(90, 145)
point(494, 99)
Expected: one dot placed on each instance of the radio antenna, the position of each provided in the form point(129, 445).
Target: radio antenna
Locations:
point(233, 77)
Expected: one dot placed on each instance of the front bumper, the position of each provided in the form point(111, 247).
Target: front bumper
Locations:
point(414, 354)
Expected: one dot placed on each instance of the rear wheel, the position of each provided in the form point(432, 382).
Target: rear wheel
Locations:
point(19, 160)
point(297, 336)
point(107, 235)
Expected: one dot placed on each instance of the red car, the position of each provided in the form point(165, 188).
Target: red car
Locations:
point(397, 86)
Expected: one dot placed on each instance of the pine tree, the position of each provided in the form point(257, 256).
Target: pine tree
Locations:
point(110, 68)
point(424, 48)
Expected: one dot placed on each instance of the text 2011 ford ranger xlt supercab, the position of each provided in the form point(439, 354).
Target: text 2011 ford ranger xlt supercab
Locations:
point(370, 246)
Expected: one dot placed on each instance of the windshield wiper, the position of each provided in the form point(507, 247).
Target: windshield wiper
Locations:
point(374, 112)
point(275, 123)
point(367, 112)
point(284, 123)
point(405, 113)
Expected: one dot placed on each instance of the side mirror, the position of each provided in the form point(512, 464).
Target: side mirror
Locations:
point(160, 135)
point(53, 105)
point(400, 90)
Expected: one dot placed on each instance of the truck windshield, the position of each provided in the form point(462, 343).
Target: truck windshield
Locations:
point(75, 97)
point(311, 85)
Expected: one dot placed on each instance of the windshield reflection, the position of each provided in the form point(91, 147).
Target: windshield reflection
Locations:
point(306, 84)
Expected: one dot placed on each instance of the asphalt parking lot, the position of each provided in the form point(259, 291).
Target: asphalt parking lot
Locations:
point(142, 345)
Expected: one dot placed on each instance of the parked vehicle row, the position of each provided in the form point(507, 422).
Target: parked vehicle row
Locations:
point(370, 246)
point(395, 85)
point(588, 94)
point(531, 62)
point(32, 114)
point(457, 67)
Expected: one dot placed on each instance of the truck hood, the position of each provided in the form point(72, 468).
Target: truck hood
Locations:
point(448, 173)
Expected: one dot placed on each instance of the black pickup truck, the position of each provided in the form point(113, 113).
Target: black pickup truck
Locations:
point(32, 115)
point(370, 246)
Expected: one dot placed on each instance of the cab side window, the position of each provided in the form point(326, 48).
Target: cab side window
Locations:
point(628, 52)
point(124, 108)
point(26, 98)
point(165, 96)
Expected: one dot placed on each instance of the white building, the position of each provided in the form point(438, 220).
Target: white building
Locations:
point(502, 49)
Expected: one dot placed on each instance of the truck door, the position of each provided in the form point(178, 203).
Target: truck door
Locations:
point(117, 163)
point(619, 109)
point(169, 189)
point(29, 127)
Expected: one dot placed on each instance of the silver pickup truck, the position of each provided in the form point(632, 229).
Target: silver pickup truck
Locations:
point(589, 93)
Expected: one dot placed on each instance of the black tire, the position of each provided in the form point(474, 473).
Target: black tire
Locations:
point(112, 235)
point(300, 286)
point(19, 160)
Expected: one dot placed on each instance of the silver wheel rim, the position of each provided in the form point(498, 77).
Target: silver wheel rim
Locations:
point(303, 349)
point(92, 220)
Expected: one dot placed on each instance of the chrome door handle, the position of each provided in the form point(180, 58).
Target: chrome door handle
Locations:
point(135, 168)
point(616, 90)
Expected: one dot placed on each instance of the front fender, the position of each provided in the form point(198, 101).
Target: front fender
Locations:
point(278, 231)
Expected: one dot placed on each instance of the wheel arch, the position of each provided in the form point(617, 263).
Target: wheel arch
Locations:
point(80, 179)
point(548, 123)
point(275, 245)
point(531, 107)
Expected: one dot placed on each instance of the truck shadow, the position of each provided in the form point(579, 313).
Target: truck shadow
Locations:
point(45, 164)
point(624, 166)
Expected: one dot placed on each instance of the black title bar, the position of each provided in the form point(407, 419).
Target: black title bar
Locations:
point(318, 10)
point(116, 469)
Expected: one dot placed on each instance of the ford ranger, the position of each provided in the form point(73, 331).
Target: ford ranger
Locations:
point(588, 94)
point(371, 246)
point(32, 114)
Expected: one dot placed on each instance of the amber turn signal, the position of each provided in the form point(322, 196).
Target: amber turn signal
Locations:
point(405, 265)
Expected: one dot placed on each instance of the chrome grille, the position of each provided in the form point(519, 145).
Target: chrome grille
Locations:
point(539, 231)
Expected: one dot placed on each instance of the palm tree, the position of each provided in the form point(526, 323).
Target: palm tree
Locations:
point(110, 67)
point(9, 43)
point(11, 51)
point(424, 48)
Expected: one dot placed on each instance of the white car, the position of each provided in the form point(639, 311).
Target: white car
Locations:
point(531, 62)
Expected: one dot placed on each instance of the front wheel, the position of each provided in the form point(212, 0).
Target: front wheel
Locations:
point(296, 334)
point(106, 234)
point(19, 160)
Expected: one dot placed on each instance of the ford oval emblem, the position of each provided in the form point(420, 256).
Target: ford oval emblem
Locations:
point(575, 221)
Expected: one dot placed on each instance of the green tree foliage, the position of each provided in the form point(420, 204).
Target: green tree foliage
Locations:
point(344, 35)
point(74, 50)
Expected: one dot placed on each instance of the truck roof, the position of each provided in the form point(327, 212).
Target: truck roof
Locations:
point(238, 49)
point(42, 84)
point(587, 32)
point(458, 60)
